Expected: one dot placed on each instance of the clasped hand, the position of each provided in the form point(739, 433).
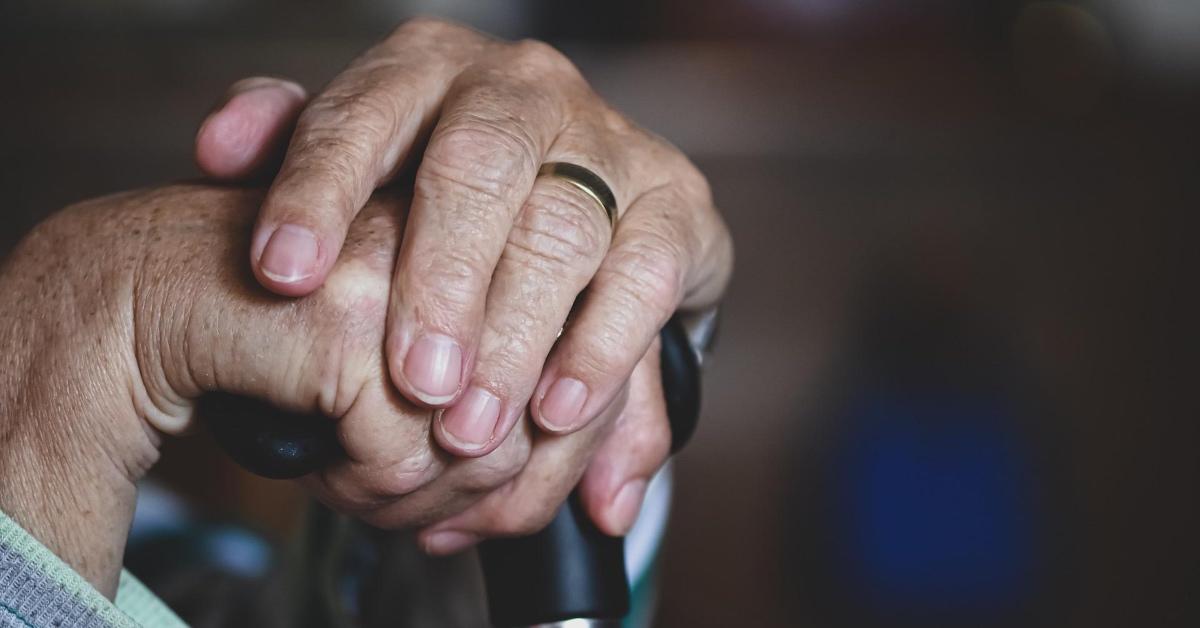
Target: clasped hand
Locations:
point(427, 326)
point(493, 257)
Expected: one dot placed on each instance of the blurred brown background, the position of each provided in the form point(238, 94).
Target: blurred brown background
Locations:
point(1023, 173)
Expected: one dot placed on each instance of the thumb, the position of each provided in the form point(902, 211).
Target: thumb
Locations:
point(212, 328)
point(251, 125)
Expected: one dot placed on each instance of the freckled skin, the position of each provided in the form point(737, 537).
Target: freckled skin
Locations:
point(117, 313)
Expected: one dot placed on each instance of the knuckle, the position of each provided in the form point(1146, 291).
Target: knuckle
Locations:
point(533, 61)
point(425, 25)
point(397, 480)
point(346, 319)
point(452, 280)
point(540, 53)
point(643, 284)
point(505, 361)
point(559, 229)
point(356, 489)
point(691, 182)
point(367, 111)
point(348, 348)
point(437, 38)
point(480, 158)
point(332, 158)
point(465, 263)
point(615, 122)
point(509, 466)
point(353, 298)
point(647, 274)
point(496, 469)
point(385, 460)
point(345, 134)
point(603, 354)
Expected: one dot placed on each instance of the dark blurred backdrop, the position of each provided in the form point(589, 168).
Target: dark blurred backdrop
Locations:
point(954, 384)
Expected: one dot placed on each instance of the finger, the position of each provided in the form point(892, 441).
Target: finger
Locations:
point(307, 356)
point(460, 483)
point(554, 248)
point(389, 454)
point(529, 501)
point(347, 141)
point(249, 127)
point(614, 484)
point(476, 173)
point(664, 253)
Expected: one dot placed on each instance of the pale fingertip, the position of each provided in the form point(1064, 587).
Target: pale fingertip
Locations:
point(446, 542)
point(625, 507)
point(225, 144)
point(236, 139)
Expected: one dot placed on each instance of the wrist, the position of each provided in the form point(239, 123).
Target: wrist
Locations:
point(73, 446)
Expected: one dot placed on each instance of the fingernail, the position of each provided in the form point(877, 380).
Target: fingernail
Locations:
point(471, 422)
point(290, 254)
point(562, 404)
point(433, 368)
point(267, 85)
point(628, 504)
point(448, 542)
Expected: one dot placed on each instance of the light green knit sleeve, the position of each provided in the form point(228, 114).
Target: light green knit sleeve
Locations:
point(37, 589)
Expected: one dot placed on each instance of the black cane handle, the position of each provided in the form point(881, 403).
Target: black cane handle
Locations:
point(568, 570)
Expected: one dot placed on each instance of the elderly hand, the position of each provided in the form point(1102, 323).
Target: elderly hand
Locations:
point(493, 257)
point(121, 312)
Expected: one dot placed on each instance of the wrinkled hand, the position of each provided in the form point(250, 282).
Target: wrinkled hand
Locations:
point(123, 311)
point(493, 257)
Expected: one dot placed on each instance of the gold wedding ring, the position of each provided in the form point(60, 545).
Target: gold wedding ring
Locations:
point(585, 181)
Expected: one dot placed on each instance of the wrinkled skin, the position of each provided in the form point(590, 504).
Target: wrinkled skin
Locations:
point(493, 257)
point(430, 336)
point(120, 312)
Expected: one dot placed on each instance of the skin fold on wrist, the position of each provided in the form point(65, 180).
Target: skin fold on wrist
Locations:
point(73, 447)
